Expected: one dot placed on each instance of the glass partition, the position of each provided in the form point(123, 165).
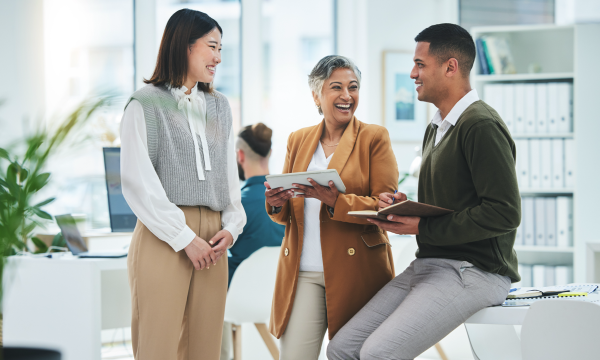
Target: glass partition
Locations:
point(227, 14)
point(296, 35)
point(88, 52)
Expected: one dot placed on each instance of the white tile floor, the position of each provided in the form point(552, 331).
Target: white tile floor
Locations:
point(455, 345)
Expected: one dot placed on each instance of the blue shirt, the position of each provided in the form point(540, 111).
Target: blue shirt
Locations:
point(260, 230)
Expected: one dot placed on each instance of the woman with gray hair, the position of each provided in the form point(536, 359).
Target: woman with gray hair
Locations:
point(331, 263)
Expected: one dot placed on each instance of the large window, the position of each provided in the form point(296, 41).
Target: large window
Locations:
point(296, 35)
point(227, 14)
point(505, 12)
point(88, 52)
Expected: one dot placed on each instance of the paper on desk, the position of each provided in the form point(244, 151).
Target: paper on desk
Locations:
point(577, 287)
point(586, 288)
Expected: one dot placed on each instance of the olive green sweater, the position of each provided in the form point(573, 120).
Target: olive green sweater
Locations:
point(471, 171)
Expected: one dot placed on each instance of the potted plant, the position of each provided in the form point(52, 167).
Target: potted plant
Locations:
point(23, 174)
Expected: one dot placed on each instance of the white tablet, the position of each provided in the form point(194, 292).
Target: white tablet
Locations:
point(322, 177)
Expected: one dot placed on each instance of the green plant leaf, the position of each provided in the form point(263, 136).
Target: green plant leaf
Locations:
point(29, 227)
point(23, 174)
point(40, 245)
point(39, 182)
point(34, 144)
point(45, 202)
point(59, 240)
point(403, 178)
point(42, 213)
point(11, 173)
point(4, 154)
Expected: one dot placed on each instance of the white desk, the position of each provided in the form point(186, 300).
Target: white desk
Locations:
point(64, 304)
point(493, 333)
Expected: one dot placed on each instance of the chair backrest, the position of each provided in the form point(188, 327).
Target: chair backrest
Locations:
point(561, 329)
point(22, 353)
point(251, 290)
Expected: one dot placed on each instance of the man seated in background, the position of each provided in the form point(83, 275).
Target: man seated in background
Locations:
point(253, 148)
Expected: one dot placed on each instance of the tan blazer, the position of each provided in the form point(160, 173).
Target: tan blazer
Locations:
point(357, 258)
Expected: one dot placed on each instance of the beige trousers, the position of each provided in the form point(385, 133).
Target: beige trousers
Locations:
point(177, 311)
point(306, 328)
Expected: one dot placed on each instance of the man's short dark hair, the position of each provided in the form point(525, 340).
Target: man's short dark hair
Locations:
point(448, 41)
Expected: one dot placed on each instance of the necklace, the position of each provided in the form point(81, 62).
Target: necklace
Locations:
point(322, 142)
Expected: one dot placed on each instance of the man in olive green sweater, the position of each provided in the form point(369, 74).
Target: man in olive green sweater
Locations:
point(465, 260)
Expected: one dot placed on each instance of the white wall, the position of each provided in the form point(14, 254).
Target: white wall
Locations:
point(367, 28)
point(21, 66)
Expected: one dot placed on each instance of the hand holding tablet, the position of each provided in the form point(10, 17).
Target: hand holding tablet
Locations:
point(321, 177)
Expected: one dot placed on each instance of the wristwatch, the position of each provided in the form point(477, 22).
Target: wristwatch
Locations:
point(330, 209)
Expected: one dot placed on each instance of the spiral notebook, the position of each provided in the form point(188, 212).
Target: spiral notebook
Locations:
point(527, 296)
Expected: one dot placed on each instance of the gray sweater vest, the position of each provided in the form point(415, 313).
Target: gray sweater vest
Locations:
point(171, 147)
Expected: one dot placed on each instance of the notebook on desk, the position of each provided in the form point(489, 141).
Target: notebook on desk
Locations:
point(577, 291)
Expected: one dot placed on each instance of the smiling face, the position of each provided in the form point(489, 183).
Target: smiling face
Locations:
point(203, 57)
point(429, 75)
point(339, 97)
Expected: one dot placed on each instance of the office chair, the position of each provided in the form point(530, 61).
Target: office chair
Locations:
point(250, 296)
point(560, 329)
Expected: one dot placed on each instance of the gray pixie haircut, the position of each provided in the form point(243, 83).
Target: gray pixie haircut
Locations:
point(323, 70)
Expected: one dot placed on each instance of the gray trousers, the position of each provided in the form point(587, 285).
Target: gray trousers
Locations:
point(417, 309)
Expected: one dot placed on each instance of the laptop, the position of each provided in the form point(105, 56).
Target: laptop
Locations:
point(75, 241)
point(122, 218)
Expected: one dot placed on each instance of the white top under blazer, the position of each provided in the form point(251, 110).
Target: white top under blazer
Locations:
point(311, 258)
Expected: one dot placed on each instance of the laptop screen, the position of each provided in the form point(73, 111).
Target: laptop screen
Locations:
point(71, 234)
point(122, 218)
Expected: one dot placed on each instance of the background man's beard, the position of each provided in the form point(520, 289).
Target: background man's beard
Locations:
point(241, 172)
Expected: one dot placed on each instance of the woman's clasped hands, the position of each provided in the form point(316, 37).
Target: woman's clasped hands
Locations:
point(202, 253)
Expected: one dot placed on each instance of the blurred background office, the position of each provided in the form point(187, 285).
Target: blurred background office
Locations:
point(56, 53)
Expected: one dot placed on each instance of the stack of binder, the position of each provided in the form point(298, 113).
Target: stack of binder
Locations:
point(533, 108)
point(545, 163)
point(545, 275)
point(546, 221)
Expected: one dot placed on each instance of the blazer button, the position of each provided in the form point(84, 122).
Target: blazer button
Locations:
point(290, 219)
point(286, 252)
point(351, 251)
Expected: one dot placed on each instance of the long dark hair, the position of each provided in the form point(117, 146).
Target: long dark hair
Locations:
point(182, 30)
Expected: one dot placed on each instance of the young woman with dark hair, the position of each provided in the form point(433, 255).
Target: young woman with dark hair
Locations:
point(180, 178)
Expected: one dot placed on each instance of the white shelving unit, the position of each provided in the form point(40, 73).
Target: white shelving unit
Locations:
point(542, 136)
point(566, 54)
point(524, 77)
point(546, 192)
